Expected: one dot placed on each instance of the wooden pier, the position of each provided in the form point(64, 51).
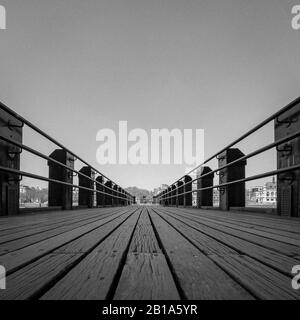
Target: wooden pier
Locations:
point(149, 253)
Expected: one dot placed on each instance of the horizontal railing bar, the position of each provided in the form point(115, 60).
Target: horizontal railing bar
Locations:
point(38, 177)
point(39, 154)
point(45, 135)
point(245, 135)
point(256, 177)
point(250, 155)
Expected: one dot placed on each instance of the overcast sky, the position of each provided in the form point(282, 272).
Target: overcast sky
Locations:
point(73, 67)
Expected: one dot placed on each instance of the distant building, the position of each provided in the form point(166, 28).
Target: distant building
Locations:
point(266, 194)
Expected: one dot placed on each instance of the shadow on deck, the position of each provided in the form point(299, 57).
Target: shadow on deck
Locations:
point(149, 253)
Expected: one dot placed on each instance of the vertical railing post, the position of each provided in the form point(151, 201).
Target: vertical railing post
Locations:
point(168, 196)
point(58, 194)
point(188, 197)
point(10, 128)
point(124, 197)
point(100, 196)
point(115, 193)
point(173, 193)
point(86, 197)
point(119, 194)
point(180, 196)
point(205, 197)
point(232, 195)
point(108, 197)
point(288, 154)
point(127, 199)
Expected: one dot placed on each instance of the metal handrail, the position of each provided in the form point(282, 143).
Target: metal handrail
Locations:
point(255, 177)
point(48, 137)
point(243, 158)
point(247, 134)
point(38, 177)
point(41, 155)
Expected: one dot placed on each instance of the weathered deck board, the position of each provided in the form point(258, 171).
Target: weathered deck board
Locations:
point(149, 253)
point(15, 260)
point(289, 235)
point(198, 276)
point(32, 279)
point(93, 277)
point(28, 239)
point(23, 232)
point(146, 275)
point(256, 276)
point(276, 245)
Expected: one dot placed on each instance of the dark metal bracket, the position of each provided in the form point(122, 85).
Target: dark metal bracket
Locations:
point(221, 189)
point(221, 157)
point(288, 121)
point(12, 181)
point(13, 154)
point(11, 125)
point(290, 178)
point(220, 173)
point(286, 148)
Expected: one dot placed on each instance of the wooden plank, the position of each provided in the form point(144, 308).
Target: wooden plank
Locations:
point(255, 219)
point(34, 279)
point(282, 236)
point(37, 237)
point(144, 239)
point(14, 260)
point(198, 276)
point(31, 222)
point(11, 235)
point(262, 281)
point(269, 257)
point(283, 248)
point(28, 281)
point(146, 275)
point(93, 277)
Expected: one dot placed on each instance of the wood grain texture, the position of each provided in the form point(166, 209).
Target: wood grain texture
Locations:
point(149, 253)
point(252, 274)
point(15, 260)
point(146, 275)
point(93, 277)
point(198, 276)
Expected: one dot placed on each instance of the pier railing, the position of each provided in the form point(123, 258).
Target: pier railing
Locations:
point(232, 174)
point(94, 188)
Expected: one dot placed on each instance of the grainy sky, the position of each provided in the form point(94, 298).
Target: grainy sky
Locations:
point(73, 67)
